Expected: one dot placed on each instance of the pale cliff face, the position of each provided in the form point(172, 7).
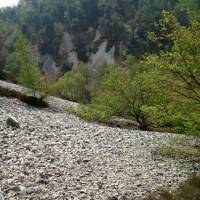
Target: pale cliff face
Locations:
point(102, 56)
point(68, 58)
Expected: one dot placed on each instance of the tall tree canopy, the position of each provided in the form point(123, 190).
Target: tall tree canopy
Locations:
point(127, 22)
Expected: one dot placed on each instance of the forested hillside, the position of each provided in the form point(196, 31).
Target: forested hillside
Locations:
point(124, 25)
point(137, 59)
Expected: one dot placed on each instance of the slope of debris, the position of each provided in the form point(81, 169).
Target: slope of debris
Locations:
point(56, 156)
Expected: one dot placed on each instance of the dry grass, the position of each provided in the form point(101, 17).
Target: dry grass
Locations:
point(181, 152)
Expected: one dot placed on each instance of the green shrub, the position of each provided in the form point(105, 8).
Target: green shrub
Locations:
point(23, 65)
point(189, 190)
point(71, 86)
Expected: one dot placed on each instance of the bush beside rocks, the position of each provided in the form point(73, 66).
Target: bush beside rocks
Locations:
point(189, 190)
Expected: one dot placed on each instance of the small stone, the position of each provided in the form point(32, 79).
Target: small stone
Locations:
point(12, 122)
point(21, 188)
point(16, 189)
point(138, 174)
point(113, 198)
point(1, 196)
point(29, 191)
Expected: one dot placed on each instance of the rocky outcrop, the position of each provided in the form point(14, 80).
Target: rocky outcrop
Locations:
point(102, 56)
point(72, 60)
point(67, 60)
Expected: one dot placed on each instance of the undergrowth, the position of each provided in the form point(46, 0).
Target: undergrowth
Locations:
point(189, 190)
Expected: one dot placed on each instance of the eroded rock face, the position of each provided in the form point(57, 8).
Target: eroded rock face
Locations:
point(102, 56)
point(67, 51)
point(73, 60)
point(67, 60)
point(49, 68)
point(66, 44)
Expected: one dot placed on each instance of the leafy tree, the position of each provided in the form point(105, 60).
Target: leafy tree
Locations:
point(7, 37)
point(23, 64)
point(190, 7)
point(124, 95)
point(31, 78)
point(72, 85)
point(179, 72)
point(160, 91)
point(180, 65)
point(96, 79)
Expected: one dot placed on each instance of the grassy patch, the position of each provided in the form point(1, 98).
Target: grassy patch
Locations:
point(181, 152)
point(179, 146)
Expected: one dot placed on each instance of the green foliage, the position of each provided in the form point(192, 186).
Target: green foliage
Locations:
point(72, 85)
point(161, 91)
point(179, 73)
point(13, 64)
point(20, 57)
point(179, 148)
point(96, 79)
point(124, 95)
point(100, 110)
point(23, 65)
point(191, 7)
point(7, 37)
point(30, 77)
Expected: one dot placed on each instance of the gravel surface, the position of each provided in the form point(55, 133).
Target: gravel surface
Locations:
point(56, 156)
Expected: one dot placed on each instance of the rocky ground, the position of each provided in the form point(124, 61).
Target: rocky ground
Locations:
point(56, 156)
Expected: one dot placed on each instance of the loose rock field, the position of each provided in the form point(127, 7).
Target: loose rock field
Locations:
point(56, 156)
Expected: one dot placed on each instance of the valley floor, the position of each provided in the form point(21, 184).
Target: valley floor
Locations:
point(56, 156)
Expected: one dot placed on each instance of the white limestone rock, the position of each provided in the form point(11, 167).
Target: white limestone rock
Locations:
point(102, 56)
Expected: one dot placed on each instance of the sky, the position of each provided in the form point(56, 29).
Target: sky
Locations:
point(4, 3)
